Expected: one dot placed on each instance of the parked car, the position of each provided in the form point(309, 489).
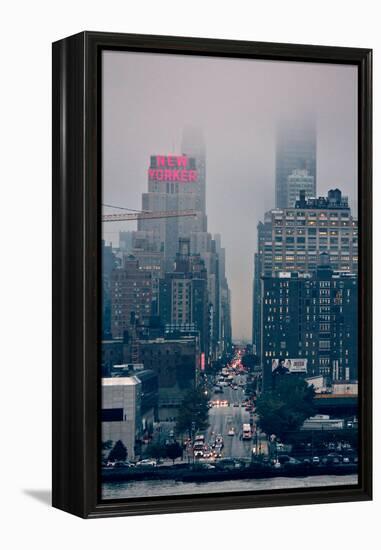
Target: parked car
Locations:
point(147, 462)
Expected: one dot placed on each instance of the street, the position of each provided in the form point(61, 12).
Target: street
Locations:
point(223, 418)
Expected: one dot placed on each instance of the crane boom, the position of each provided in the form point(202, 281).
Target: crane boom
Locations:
point(147, 215)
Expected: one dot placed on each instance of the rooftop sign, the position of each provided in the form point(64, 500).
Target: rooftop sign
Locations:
point(172, 168)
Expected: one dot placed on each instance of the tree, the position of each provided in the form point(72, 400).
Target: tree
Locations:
point(193, 412)
point(174, 451)
point(156, 450)
point(118, 452)
point(286, 406)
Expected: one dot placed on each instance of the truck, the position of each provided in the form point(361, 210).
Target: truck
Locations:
point(246, 431)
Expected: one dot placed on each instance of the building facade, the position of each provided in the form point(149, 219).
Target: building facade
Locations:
point(121, 412)
point(183, 294)
point(311, 317)
point(299, 180)
point(131, 297)
point(295, 150)
point(292, 239)
point(173, 184)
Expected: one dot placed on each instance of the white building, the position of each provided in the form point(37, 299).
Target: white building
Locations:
point(345, 387)
point(121, 416)
point(322, 422)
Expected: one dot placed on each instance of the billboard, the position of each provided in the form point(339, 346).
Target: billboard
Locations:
point(174, 168)
point(289, 366)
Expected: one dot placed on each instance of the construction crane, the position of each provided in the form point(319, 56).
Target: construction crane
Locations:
point(145, 215)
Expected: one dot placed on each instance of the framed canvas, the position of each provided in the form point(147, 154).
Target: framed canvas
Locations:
point(212, 287)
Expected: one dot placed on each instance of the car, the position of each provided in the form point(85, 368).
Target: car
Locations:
point(346, 460)
point(146, 462)
point(231, 431)
point(315, 460)
point(235, 404)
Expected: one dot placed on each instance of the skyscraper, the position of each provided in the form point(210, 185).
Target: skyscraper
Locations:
point(311, 319)
point(183, 294)
point(193, 145)
point(292, 240)
point(299, 180)
point(131, 296)
point(173, 184)
point(295, 150)
point(178, 182)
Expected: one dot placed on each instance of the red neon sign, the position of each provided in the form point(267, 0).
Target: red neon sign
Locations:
point(203, 361)
point(172, 168)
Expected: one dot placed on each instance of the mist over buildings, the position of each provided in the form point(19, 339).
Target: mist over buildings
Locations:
point(148, 99)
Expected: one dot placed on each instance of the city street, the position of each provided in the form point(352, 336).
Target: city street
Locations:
point(223, 418)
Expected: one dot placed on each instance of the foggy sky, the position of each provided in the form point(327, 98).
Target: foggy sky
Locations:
point(149, 98)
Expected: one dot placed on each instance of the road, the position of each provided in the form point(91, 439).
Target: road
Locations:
point(221, 419)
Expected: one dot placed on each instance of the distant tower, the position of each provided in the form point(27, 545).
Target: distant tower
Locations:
point(193, 145)
point(295, 150)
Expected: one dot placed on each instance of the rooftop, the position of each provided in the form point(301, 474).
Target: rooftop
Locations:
point(121, 381)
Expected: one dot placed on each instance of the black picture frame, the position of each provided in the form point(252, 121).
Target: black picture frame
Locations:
point(76, 260)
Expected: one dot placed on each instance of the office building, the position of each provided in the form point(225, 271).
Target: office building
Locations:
point(131, 297)
point(183, 294)
point(292, 239)
point(109, 263)
point(299, 181)
point(295, 150)
point(309, 323)
point(173, 184)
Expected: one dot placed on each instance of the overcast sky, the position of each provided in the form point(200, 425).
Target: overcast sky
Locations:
point(149, 98)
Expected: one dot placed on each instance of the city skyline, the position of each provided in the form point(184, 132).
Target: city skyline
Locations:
point(239, 136)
